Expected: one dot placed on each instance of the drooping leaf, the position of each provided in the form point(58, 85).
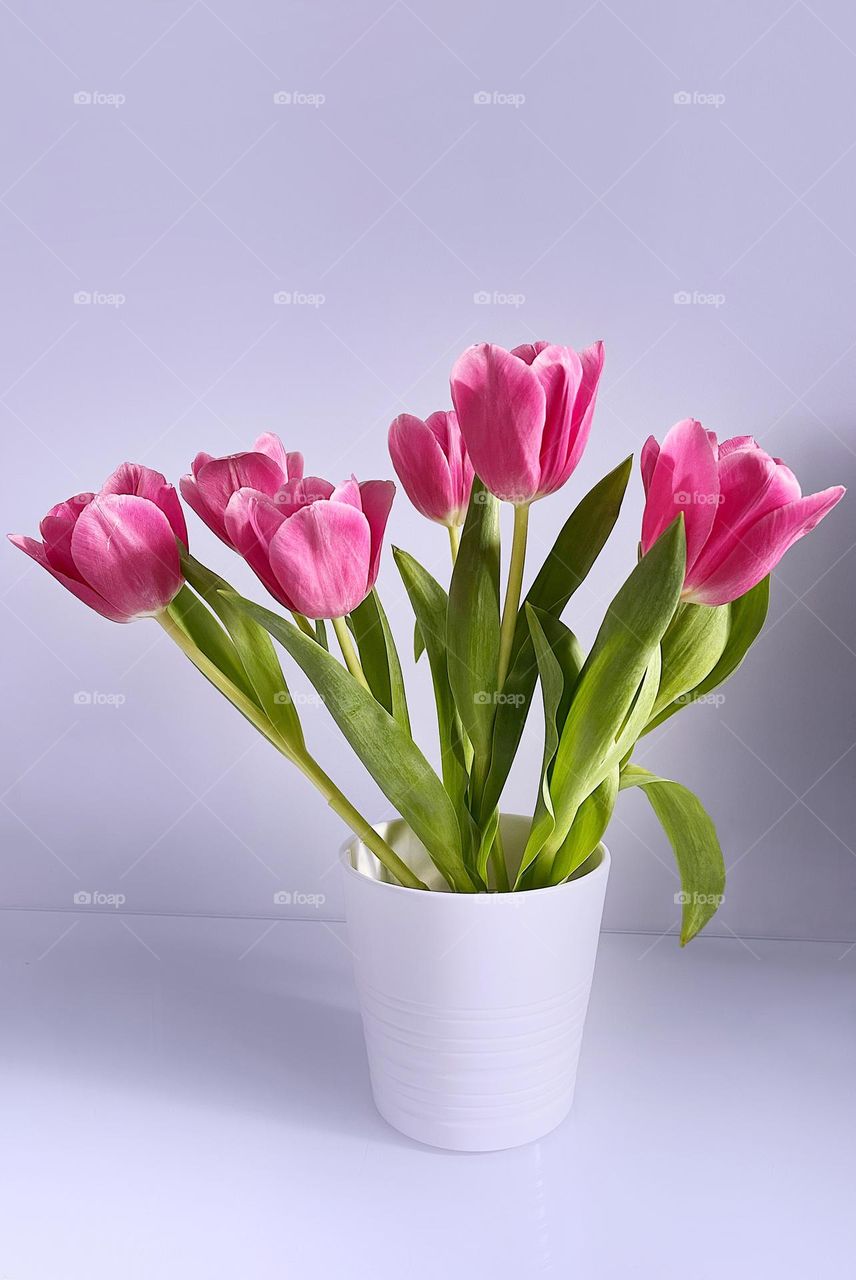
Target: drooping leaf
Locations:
point(472, 628)
point(254, 648)
point(379, 657)
point(387, 751)
point(694, 840)
point(617, 686)
point(746, 617)
point(579, 543)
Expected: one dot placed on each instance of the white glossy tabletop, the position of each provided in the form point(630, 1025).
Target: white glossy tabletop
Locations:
point(189, 1098)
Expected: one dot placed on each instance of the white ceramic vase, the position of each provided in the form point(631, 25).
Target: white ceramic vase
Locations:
point(473, 1004)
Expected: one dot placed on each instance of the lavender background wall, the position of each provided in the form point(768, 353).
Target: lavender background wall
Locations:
point(676, 179)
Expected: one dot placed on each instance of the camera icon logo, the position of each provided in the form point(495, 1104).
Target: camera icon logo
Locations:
point(83, 98)
point(281, 98)
point(682, 98)
point(83, 698)
point(282, 898)
point(82, 898)
point(482, 99)
point(82, 298)
point(482, 298)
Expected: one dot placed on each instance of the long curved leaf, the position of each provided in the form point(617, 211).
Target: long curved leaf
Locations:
point(379, 657)
point(388, 752)
point(696, 845)
point(577, 546)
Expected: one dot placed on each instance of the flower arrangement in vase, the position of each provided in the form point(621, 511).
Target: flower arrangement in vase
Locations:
point(474, 931)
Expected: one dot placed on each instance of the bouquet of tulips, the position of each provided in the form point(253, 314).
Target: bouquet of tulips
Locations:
point(718, 517)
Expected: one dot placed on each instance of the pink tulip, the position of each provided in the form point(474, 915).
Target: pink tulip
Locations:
point(116, 550)
point(315, 547)
point(212, 481)
point(525, 414)
point(742, 508)
point(431, 461)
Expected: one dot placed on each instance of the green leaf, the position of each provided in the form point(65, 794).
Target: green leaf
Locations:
point(617, 686)
point(695, 842)
point(321, 633)
point(560, 660)
point(207, 634)
point(579, 543)
point(587, 830)
point(430, 603)
point(692, 645)
point(418, 642)
point(472, 627)
point(379, 657)
point(745, 617)
point(388, 752)
point(253, 646)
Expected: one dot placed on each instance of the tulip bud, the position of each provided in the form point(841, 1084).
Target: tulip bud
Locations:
point(431, 461)
point(317, 550)
point(116, 550)
point(212, 481)
point(743, 509)
point(525, 414)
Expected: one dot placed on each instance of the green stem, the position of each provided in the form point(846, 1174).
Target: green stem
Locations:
point(512, 590)
point(305, 763)
point(304, 624)
point(454, 540)
point(349, 653)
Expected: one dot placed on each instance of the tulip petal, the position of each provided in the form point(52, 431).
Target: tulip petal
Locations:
point(376, 497)
point(421, 464)
point(132, 477)
point(527, 351)
point(56, 530)
point(251, 520)
point(190, 492)
point(560, 371)
point(290, 464)
point(218, 479)
point(36, 551)
point(299, 492)
point(737, 442)
point(685, 479)
point(125, 549)
point(648, 461)
point(751, 484)
point(763, 546)
point(321, 558)
point(501, 407)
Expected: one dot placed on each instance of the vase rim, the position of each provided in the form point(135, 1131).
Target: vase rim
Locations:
point(599, 871)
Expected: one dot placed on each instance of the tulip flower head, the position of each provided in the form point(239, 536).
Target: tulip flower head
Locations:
point(315, 547)
point(743, 509)
point(116, 550)
point(525, 414)
point(431, 461)
point(212, 481)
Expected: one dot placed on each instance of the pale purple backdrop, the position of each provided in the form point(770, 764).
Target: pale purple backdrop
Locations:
point(408, 178)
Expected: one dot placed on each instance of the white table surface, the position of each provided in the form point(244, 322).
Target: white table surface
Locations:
point(186, 1097)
